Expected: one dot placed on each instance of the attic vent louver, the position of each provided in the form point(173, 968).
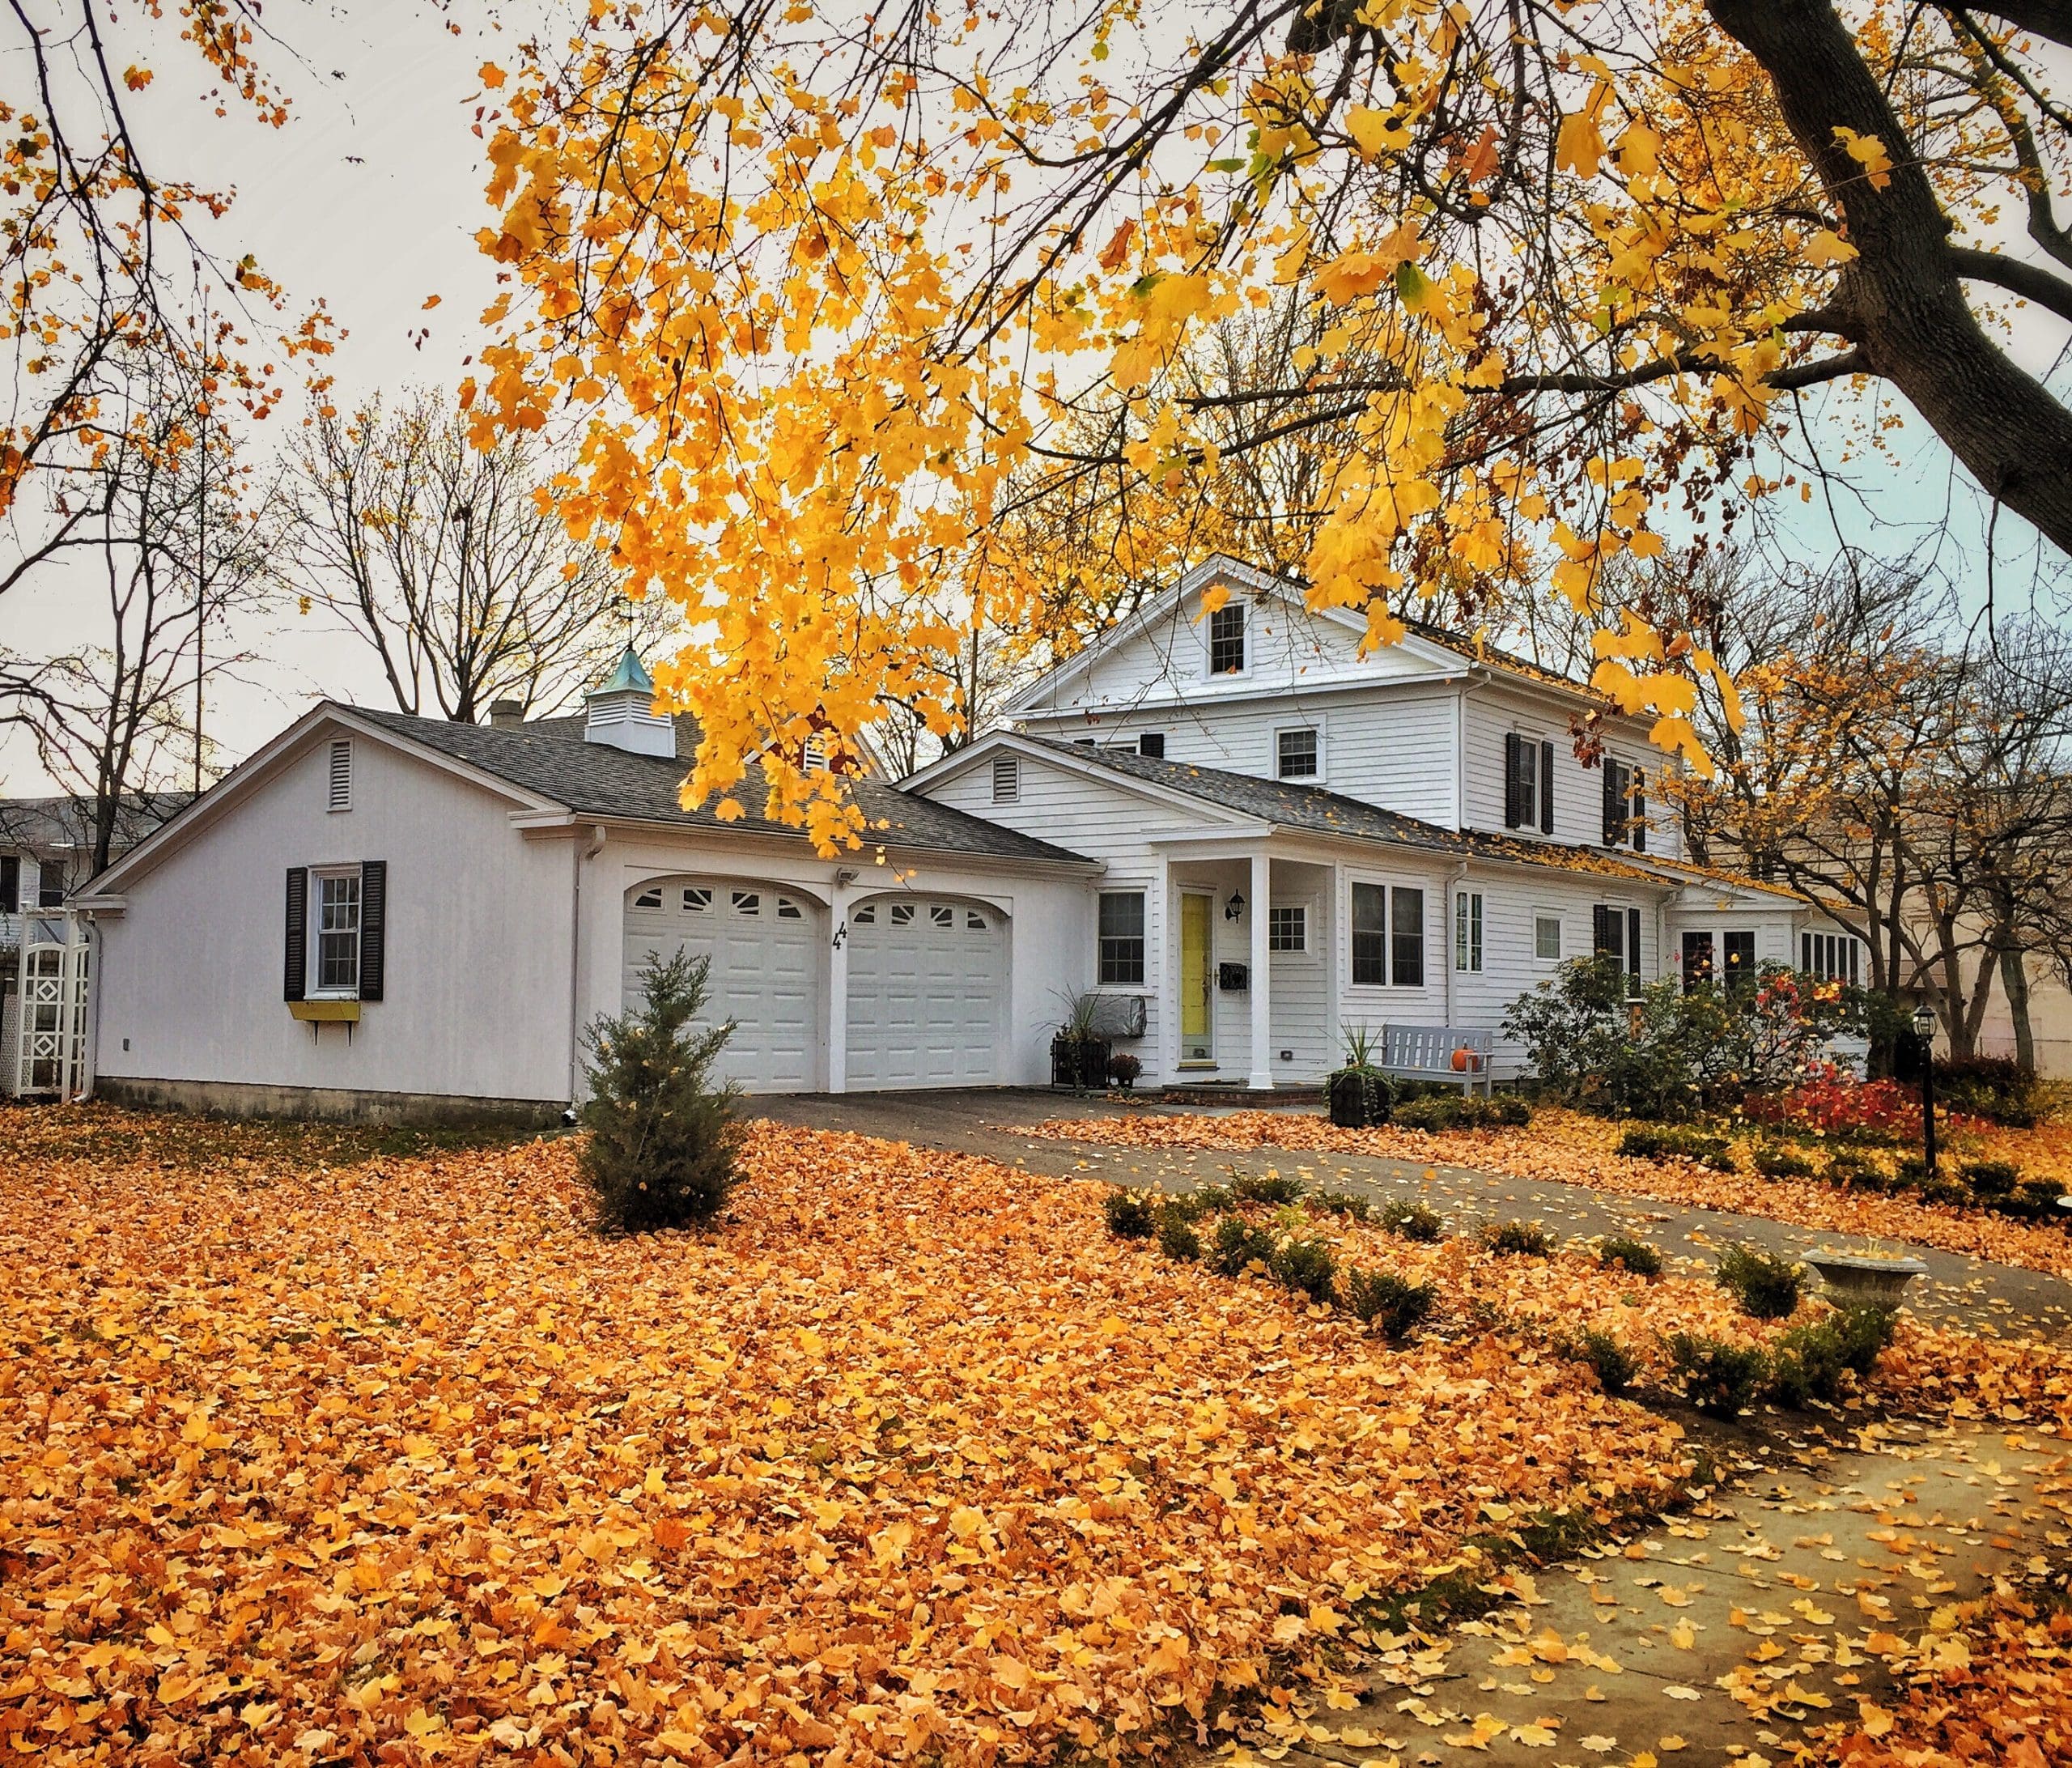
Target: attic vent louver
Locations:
point(1007, 779)
point(340, 797)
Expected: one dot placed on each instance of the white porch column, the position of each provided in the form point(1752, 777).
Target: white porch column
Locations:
point(1262, 973)
point(837, 991)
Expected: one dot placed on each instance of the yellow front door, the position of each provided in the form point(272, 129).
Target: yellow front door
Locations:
point(1197, 1039)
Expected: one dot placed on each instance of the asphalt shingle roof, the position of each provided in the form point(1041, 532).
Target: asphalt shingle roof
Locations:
point(550, 758)
point(1288, 805)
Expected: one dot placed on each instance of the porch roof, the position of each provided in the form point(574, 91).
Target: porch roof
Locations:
point(1316, 810)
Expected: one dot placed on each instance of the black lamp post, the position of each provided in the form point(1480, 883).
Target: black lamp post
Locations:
point(1924, 1025)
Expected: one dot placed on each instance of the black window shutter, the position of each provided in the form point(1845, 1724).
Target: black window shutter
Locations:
point(295, 985)
point(1513, 762)
point(1547, 788)
point(1611, 816)
point(1638, 811)
point(373, 927)
point(1633, 944)
point(10, 883)
point(1603, 930)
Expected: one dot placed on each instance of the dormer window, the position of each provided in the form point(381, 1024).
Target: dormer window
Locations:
point(1226, 639)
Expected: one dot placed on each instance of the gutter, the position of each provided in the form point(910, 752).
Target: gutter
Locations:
point(582, 858)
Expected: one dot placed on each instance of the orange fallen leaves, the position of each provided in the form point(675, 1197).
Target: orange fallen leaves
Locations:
point(399, 1460)
point(1563, 1147)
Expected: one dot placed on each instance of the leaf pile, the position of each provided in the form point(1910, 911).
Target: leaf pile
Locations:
point(1563, 1147)
point(402, 1461)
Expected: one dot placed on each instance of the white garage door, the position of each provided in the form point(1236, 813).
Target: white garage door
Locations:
point(765, 944)
point(928, 993)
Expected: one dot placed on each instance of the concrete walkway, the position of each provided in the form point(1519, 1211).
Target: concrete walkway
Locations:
point(1957, 1290)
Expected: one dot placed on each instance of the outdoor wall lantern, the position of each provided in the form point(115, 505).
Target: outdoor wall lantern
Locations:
point(1234, 909)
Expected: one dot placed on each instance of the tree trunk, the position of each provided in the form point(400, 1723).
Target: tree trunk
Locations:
point(1902, 301)
point(2014, 979)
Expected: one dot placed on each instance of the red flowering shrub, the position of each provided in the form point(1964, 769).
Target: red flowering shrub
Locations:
point(1831, 1102)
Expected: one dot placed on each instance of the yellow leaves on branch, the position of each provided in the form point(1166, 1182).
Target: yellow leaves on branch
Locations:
point(401, 1461)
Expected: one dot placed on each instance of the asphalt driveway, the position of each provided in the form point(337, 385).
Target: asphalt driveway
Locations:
point(1965, 1289)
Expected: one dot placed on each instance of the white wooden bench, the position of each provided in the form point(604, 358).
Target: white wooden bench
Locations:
point(1426, 1053)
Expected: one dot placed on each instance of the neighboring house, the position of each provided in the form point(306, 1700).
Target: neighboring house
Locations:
point(1243, 832)
point(46, 848)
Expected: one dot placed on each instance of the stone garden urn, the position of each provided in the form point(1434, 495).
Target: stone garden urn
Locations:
point(1878, 1278)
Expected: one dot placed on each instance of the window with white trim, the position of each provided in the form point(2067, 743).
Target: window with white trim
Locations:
point(334, 932)
point(942, 915)
point(1546, 938)
point(902, 914)
point(1121, 936)
point(1226, 639)
point(339, 786)
point(788, 910)
point(1388, 936)
point(697, 899)
point(1152, 743)
point(1288, 927)
point(866, 915)
point(974, 922)
point(1831, 957)
point(1468, 931)
point(1007, 779)
point(650, 897)
point(748, 902)
point(1298, 754)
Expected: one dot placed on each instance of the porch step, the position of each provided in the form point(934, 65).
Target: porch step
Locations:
point(1235, 1092)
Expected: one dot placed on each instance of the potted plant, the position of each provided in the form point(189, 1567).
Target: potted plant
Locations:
point(1079, 1057)
point(1361, 1093)
point(1123, 1069)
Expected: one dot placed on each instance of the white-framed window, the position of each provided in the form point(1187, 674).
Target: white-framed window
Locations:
point(866, 915)
point(1831, 957)
point(1121, 937)
point(1007, 779)
point(1298, 752)
point(339, 785)
point(1229, 637)
point(1625, 806)
point(1546, 938)
point(974, 922)
point(1152, 743)
point(650, 897)
point(1388, 936)
point(788, 910)
point(902, 914)
point(941, 914)
point(748, 902)
point(1288, 927)
point(1468, 931)
point(697, 899)
point(334, 926)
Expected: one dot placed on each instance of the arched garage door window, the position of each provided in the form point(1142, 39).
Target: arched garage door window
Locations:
point(928, 993)
point(766, 945)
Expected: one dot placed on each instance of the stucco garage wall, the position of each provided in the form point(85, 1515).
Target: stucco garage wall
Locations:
point(477, 995)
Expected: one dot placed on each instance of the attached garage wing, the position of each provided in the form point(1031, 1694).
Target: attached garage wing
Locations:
point(928, 993)
point(765, 945)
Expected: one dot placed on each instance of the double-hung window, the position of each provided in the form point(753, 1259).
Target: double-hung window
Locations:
point(1468, 931)
point(1625, 806)
point(1737, 959)
point(1122, 939)
point(1831, 957)
point(1226, 639)
point(1296, 755)
point(1388, 936)
point(1616, 933)
point(334, 931)
point(1528, 782)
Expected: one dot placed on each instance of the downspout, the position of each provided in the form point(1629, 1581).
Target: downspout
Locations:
point(583, 856)
point(90, 1044)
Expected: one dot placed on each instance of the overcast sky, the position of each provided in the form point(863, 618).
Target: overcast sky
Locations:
point(370, 199)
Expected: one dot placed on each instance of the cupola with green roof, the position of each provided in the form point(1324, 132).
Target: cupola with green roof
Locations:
point(621, 711)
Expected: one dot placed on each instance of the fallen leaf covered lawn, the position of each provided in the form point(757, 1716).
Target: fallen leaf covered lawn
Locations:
point(1564, 1147)
point(910, 1457)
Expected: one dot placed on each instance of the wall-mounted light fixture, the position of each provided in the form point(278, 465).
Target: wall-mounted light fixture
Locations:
point(1234, 909)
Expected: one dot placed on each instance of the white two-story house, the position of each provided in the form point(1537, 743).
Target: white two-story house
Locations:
point(1240, 833)
point(1299, 839)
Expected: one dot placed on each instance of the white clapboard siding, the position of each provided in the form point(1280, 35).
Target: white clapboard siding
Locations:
point(1578, 791)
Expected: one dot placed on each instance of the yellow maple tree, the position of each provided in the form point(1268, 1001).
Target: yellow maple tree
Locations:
point(832, 297)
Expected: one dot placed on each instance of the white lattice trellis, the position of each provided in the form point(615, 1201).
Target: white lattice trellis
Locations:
point(50, 1026)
